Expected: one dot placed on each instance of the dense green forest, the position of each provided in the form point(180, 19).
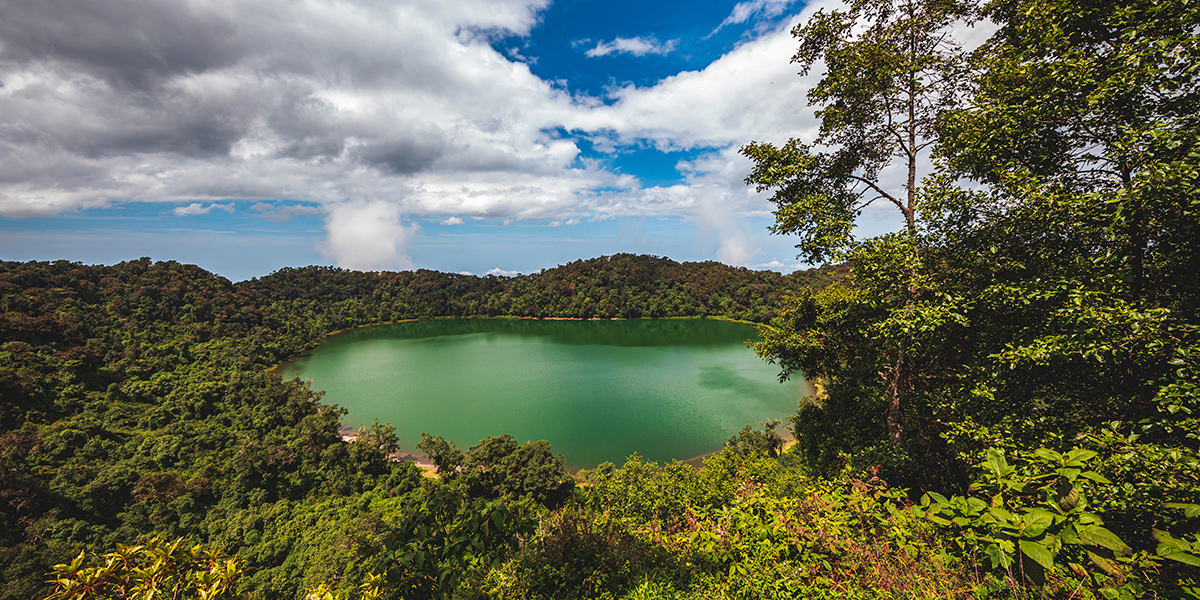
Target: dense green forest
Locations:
point(1009, 384)
point(135, 400)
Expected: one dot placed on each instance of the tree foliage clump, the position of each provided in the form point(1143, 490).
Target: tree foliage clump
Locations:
point(1041, 304)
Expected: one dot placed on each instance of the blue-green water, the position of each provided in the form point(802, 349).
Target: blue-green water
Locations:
point(597, 390)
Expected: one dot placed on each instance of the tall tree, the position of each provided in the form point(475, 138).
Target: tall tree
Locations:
point(1084, 129)
point(891, 69)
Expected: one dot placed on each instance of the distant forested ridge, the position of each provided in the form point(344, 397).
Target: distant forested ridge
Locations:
point(134, 400)
point(620, 286)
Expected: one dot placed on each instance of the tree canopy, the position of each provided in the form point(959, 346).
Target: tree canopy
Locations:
point(1043, 303)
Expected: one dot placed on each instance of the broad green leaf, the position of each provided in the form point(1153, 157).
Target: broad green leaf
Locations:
point(1094, 476)
point(1068, 496)
point(1068, 473)
point(1108, 565)
point(1167, 540)
point(975, 505)
point(1069, 535)
point(1186, 558)
point(1077, 456)
point(1096, 535)
point(1038, 553)
point(999, 559)
point(1001, 515)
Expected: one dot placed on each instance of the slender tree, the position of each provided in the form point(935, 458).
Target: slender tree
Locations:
point(892, 69)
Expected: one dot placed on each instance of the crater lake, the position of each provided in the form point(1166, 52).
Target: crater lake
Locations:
point(596, 390)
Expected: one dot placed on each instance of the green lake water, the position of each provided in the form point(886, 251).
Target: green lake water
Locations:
point(597, 390)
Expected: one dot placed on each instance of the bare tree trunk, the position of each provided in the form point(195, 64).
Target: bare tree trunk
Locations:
point(909, 208)
point(895, 412)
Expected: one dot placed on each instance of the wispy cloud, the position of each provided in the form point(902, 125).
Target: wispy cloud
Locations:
point(764, 9)
point(452, 221)
point(199, 208)
point(637, 46)
point(284, 213)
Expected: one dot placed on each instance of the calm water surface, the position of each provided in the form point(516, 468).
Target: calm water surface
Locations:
point(597, 390)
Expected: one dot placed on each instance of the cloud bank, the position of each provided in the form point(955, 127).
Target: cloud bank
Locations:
point(199, 208)
point(370, 114)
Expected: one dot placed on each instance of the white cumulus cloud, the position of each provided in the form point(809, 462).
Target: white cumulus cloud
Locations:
point(777, 265)
point(367, 236)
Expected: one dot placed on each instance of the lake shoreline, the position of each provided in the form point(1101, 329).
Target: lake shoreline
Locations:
point(736, 389)
point(428, 469)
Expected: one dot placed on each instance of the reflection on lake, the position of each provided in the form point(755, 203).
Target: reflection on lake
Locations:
point(597, 390)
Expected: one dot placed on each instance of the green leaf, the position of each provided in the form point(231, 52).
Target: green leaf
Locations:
point(1035, 522)
point(999, 559)
point(1077, 456)
point(1068, 473)
point(1068, 496)
point(1038, 553)
point(1107, 565)
point(1069, 535)
point(999, 466)
point(1096, 535)
point(1001, 515)
point(1167, 540)
point(933, 518)
point(1186, 558)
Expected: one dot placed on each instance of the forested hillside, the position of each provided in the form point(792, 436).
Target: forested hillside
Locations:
point(1009, 390)
point(134, 399)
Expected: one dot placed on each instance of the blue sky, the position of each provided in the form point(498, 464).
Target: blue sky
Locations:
point(476, 136)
